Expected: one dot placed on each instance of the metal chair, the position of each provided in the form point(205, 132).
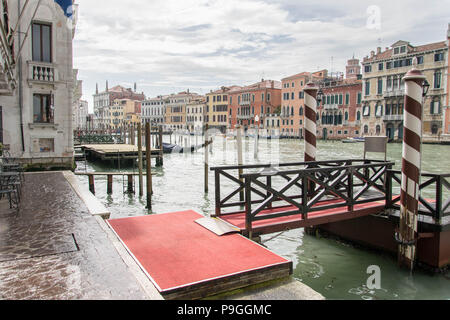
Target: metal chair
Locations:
point(11, 189)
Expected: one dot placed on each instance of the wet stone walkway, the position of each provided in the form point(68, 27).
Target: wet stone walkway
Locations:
point(54, 249)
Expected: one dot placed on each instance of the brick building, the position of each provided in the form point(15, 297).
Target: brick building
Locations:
point(251, 104)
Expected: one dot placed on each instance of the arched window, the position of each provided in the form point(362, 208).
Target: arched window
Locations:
point(366, 129)
point(346, 116)
point(358, 116)
point(301, 111)
point(378, 130)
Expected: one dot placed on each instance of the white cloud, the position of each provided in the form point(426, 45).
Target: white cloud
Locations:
point(165, 45)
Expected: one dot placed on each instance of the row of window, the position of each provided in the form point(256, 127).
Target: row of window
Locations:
point(399, 63)
point(218, 98)
point(291, 95)
point(286, 85)
point(396, 83)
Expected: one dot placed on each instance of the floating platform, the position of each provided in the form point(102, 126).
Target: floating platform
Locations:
point(185, 260)
point(117, 151)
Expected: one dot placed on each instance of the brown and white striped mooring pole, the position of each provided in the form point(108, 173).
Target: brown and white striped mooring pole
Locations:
point(310, 122)
point(411, 167)
point(310, 127)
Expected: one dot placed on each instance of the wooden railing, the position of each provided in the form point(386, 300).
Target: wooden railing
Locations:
point(434, 206)
point(316, 182)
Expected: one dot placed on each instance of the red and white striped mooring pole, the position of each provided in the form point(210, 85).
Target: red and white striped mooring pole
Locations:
point(310, 122)
point(411, 167)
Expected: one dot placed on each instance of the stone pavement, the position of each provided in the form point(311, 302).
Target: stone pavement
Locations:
point(54, 249)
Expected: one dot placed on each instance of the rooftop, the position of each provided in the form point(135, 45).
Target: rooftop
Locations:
point(388, 53)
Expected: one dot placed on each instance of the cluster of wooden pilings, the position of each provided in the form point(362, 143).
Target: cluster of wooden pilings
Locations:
point(136, 135)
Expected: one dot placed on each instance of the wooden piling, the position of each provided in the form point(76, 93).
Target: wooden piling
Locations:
point(91, 184)
point(160, 146)
point(141, 184)
point(109, 184)
point(148, 149)
point(206, 158)
point(256, 143)
point(239, 154)
point(130, 188)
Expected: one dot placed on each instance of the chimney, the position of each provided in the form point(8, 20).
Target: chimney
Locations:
point(272, 84)
point(96, 88)
point(372, 53)
point(107, 89)
point(378, 50)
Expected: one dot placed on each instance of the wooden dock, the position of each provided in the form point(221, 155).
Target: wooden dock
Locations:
point(185, 260)
point(114, 152)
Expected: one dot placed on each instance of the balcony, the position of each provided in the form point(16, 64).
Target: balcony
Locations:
point(245, 116)
point(42, 72)
point(393, 117)
point(331, 107)
point(8, 82)
point(394, 93)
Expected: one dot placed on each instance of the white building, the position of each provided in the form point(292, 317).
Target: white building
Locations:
point(36, 91)
point(81, 115)
point(154, 110)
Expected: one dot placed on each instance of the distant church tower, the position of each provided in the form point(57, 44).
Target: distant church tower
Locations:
point(353, 69)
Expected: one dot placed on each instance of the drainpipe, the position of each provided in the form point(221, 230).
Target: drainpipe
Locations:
point(20, 82)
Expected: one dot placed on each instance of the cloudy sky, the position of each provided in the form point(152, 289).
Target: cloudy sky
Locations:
point(169, 46)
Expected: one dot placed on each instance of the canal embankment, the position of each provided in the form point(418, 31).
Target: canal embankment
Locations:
point(57, 246)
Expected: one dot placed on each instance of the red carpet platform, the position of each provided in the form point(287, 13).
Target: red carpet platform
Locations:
point(186, 261)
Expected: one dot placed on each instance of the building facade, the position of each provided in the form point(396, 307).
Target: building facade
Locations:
point(123, 112)
point(339, 113)
point(81, 113)
point(175, 117)
point(196, 115)
point(154, 110)
point(292, 110)
point(217, 109)
point(249, 105)
point(383, 88)
point(37, 83)
point(103, 102)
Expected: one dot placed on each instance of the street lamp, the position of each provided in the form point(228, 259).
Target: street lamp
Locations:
point(426, 87)
point(319, 96)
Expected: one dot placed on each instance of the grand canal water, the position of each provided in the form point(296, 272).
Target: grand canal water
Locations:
point(335, 269)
